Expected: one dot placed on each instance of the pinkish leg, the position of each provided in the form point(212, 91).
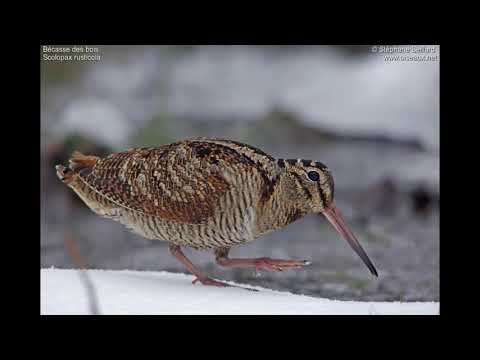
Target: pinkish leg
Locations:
point(263, 263)
point(204, 279)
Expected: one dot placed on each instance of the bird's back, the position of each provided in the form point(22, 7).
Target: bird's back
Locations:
point(203, 193)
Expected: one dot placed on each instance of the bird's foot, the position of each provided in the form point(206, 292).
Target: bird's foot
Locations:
point(266, 263)
point(210, 282)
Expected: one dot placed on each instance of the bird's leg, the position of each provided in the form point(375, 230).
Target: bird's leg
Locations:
point(204, 279)
point(263, 263)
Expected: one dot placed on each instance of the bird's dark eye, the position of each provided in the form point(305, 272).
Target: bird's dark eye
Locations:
point(313, 175)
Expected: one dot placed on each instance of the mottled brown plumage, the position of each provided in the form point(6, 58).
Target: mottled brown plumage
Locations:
point(205, 194)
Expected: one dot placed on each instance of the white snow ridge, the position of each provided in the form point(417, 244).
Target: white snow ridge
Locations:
point(163, 293)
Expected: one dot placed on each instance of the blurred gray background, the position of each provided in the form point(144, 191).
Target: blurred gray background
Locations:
point(375, 123)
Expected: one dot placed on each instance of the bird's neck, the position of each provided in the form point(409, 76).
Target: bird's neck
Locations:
point(282, 208)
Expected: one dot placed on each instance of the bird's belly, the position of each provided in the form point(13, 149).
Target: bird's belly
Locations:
point(227, 229)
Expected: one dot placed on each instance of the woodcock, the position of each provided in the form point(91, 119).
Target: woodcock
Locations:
point(207, 194)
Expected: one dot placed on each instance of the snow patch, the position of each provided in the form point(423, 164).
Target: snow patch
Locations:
point(368, 96)
point(146, 292)
point(95, 118)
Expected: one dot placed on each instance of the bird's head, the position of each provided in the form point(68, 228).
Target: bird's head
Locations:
point(312, 183)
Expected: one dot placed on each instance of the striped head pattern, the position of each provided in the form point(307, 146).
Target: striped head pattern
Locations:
point(312, 180)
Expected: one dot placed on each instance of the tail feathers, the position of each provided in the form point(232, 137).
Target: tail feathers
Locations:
point(65, 174)
point(79, 161)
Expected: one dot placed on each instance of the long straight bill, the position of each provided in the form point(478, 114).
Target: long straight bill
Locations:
point(335, 218)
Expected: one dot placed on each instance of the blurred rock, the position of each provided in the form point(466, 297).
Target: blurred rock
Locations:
point(383, 197)
point(422, 200)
